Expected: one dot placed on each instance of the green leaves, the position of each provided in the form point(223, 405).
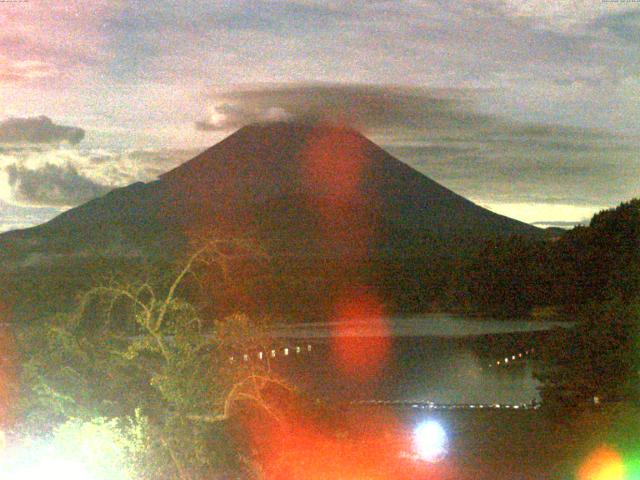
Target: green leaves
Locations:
point(136, 349)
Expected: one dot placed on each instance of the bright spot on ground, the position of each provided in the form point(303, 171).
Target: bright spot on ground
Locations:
point(47, 468)
point(430, 441)
point(76, 450)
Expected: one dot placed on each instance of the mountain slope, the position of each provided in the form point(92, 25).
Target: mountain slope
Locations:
point(260, 163)
point(332, 208)
point(278, 182)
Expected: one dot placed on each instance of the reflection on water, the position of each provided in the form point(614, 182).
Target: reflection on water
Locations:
point(433, 325)
point(440, 358)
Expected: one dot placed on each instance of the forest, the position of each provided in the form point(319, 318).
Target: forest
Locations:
point(138, 362)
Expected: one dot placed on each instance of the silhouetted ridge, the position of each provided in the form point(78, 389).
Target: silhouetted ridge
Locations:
point(278, 182)
point(264, 162)
point(332, 209)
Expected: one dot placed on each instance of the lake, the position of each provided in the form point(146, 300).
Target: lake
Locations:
point(439, 358)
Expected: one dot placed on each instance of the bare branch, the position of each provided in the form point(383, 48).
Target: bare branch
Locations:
point(176, 283)
point(207, 418)
point(174, 458)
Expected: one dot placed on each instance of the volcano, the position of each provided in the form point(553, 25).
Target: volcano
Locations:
point(313, 195)
point(277, 172)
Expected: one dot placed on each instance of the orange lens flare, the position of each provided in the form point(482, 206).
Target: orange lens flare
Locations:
point(603, 464)
point(360, 355)
point(334, 159)
point(7, 369)
point(376, 449)
point(334, 167)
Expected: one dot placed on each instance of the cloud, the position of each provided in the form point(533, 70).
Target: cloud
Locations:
point(39, 182)
point(499, 166)
point(69, 176)
point(13, 217)
point(394, 113)
point(487, 157)
point(624, 25)
point(37, 130)
point(41, 31)
point(123, 168)
point(368, 107)
point(558, 14)
point(53, 185)
point(24, 70)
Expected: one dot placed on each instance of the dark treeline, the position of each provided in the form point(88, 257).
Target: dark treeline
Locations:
point(588, 264)
point(554, 277)
point(590, 276)
point(502, 277)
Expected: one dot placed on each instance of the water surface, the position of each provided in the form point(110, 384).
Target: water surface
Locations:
point(440, 358)
point(431, 325)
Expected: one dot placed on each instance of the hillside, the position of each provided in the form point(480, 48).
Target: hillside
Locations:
point(305, 191)
point(278, 182)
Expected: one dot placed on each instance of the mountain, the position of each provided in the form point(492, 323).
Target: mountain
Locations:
point(314, 192)
point(270, 167)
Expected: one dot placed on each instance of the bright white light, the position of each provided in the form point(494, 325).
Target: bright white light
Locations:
point(41, 464)
point(430, 441)
point(53, 469)
point(76, 450)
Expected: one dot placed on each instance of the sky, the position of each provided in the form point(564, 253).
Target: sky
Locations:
point(530, 108)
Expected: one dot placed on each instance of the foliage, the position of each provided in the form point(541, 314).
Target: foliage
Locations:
point(133, 346)
point(598, 263)
point(112, 449)
point(506, 276)
point(597, 358)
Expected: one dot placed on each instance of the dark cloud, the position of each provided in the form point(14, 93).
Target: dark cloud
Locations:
point(368, 107)
point(52, 185)
point(406, 113)
point(38, 130)
point(625, 25)
point(548, 170)
point(438, 132)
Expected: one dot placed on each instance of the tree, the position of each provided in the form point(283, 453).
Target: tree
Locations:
point(597, 358)
point(506, 277)
point(138, 346)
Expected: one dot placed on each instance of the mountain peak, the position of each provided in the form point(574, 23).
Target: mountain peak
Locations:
point(278, 137)
point(328, 205)
point(291, 183)
point(264, 162)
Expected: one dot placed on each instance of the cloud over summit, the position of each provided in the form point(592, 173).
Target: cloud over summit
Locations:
point(368, 107)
